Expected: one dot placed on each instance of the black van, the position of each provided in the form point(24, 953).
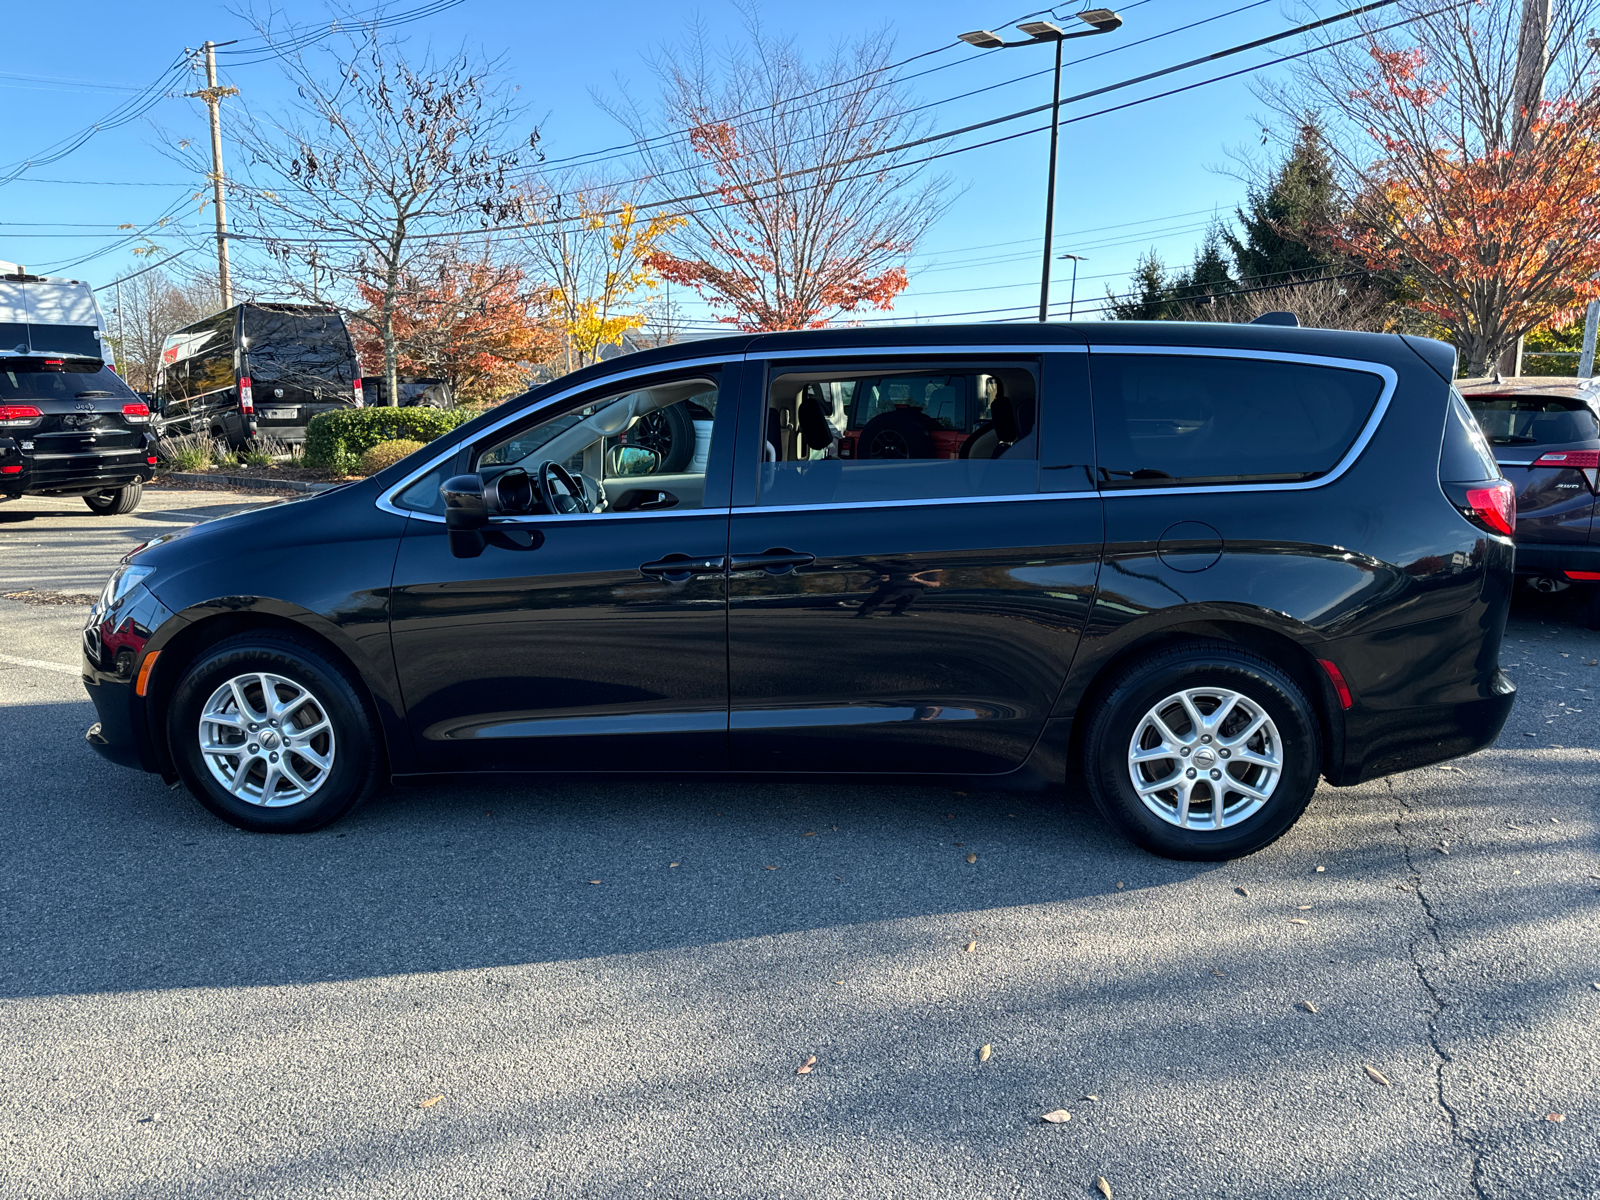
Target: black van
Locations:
point(257, 368)
point(1193, 567)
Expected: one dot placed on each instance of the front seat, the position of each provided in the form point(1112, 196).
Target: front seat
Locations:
point(815, 432)
point(991, 438)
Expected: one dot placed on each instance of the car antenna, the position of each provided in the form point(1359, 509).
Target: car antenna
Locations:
point(1278, 318)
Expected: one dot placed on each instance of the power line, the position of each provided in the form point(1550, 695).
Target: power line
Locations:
point(673, 203)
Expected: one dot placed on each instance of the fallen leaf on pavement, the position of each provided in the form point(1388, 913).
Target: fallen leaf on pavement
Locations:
point(813, 833)
point(1308, 1006)
point(1102, 1186)
point(1321, 869)
point(1298, 921)
point(1091, 1097)
point(672, 864)
point(772, 868)
point(1241, 891)
point(1556, 1117)
point(1060, 1117)
point(983, 1052)
point(1217, 973)
point(972, 858)
point(1376, 1075)
point(431, 1102)
point(971, 946)
point(594, 881)
point(805, 1067)
point(1402, 887)
point(1302, 907)
point(1120, 885)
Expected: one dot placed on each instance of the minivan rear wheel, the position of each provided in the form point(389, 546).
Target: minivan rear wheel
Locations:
point(1203, 752)
point(272, 735)
point(113, 502)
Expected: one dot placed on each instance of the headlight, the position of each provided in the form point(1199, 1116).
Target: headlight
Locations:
point(123, 580)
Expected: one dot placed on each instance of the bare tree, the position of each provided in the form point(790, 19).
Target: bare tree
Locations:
point(802, 218)
point(153, 306)
point(1457, 179)
point(377, 157)
point(1318, 304)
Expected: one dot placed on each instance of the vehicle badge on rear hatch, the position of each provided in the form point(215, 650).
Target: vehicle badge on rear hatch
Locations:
point(85, 406)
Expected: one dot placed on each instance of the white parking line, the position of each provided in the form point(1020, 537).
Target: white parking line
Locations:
point(39, 663)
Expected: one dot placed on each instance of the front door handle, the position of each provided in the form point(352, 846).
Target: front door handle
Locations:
point(777, 561)
point(680, 568)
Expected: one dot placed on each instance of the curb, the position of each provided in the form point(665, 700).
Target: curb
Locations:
point(247, 483)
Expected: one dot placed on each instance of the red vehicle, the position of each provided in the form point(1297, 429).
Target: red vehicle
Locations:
point(961, 414)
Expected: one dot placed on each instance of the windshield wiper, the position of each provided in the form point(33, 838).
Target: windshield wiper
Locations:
point(88, 395)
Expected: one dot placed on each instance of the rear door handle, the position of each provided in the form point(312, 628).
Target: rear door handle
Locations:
point(774, 562)
point(679, 568)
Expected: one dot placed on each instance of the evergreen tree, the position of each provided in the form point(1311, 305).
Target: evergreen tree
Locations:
point(1209, 276)
point(1283, 223)
point(1150, 297)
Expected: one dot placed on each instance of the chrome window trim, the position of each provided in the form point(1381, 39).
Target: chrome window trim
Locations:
point(386, 502)
point(1390, 377)
point(848, 505)
point(917, 351)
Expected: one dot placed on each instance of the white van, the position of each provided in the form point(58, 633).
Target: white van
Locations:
point(44, 316)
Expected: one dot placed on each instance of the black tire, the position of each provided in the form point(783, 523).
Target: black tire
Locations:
point(357, 764)
point(113, 502)
point(1594, 606)
point(1119, 718)
point(896, 435)
point(670, 433)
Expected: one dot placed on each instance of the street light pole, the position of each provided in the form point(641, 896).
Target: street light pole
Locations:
point(1099, 20)
point(1072, 304)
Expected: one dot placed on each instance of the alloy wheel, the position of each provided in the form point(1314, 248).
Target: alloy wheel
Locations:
point(267, 739)
point(1205, 758)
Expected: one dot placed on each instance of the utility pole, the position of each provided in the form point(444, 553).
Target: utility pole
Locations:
point(1527, 94)
point(213, 96)
point(122, 329)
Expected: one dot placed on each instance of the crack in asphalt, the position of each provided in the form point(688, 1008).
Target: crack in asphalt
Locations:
point(1442, 1057)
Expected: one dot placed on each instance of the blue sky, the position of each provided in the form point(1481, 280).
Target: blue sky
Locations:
point(1148, 176)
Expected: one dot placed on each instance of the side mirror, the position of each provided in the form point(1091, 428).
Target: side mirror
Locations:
point(466, 514)
point(632, 460)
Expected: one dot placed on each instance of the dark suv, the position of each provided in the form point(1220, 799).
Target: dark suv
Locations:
point(1204, 566)
point(1546, 437)
point(72, 427)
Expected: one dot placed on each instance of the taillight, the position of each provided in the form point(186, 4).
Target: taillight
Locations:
point(1575, 460)
point(247, 396)
point(17, 416)
point(1495, 504)
point(1583, 576)
point(135, 413)
point(16, 470)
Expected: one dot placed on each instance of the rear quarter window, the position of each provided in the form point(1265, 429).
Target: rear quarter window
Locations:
point(1174, 419)
point(1464, 456)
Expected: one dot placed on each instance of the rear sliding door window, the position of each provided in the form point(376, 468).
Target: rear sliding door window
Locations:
point(1164, 420)
point(872, 432)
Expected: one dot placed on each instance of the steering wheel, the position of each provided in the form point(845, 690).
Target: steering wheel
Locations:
point(574, 499)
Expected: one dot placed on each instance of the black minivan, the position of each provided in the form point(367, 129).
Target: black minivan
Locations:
point(1196, 567)
point(257, 368)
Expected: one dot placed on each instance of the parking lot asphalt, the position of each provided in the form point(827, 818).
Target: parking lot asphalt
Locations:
point(584, 989)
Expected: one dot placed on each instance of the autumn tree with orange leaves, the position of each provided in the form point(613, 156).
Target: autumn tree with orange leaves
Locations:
point(1485, 210)
point(469, 320)
point(794, 224)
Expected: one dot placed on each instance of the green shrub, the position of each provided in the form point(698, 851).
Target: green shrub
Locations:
point(338, 439)
point(386, 454)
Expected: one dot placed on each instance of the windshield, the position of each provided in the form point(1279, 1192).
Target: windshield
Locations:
point(58, 379)
point(1534, 420)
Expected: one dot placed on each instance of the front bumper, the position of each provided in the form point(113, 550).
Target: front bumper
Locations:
point(114, 646)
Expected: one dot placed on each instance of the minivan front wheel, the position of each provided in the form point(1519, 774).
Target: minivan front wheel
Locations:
point(1203, 752)
point(272, 736)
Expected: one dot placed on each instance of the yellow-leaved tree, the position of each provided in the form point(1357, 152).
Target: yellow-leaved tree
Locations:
point(593, 247)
